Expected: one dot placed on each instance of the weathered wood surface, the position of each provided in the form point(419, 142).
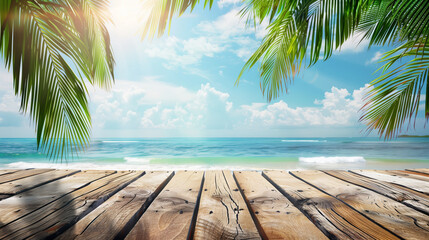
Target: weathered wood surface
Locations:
point(13, 208)
point(170, 214)
point(409, 197)
point(420, 170)
point(409, 174)
point(20, 185)
point(336, 219)
point(8, 171)
point(394, 216)
point(21, 174)
point(223, 213)
point(418, 185)
point(47, 204)
point(52, 218)
point(110, 219)
point(277, 217)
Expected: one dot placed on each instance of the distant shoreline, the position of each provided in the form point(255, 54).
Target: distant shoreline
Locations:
point(413, 136)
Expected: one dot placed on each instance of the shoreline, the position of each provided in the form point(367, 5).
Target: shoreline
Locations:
point(288, 166)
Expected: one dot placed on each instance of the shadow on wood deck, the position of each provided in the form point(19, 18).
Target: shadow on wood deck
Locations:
point(95, 204)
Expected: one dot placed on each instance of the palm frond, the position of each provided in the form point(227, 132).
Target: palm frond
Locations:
point(39, 41)
point(391, 22)
point(395, 97)
point(302, 29)
point(161, 12)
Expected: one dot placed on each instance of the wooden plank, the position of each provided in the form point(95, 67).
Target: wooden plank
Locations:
point(21, 174)
point(420, 170)
point(20, 185)
point(170, 214)
point(417, 185)
point(223, 213)
point(54, 218)
point(336, 219)
point(13, 208)
point(409, 174)
point(413, 173)
point(409, 197)
point(8, 171)
point(110, 219)
point(398, 218)
point(276, 216)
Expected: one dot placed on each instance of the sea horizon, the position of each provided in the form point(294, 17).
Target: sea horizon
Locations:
point(235, 153)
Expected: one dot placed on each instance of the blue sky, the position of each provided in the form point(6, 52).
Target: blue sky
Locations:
point(182, 84)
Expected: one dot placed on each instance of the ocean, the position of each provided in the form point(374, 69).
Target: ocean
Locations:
point(227, 153)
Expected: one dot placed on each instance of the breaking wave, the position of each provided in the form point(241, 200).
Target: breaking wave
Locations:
point(326, 160)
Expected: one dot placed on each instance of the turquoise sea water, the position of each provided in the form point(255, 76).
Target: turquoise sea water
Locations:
point(229, 153)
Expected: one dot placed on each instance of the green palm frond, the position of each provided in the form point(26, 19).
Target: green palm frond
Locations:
point(395, 97)
point(161, 12)
point(280, 54)
point(52, 48)
point(302, 29)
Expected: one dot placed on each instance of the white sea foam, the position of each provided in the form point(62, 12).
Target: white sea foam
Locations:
point(121, 166)
point(303, 140)
point(137, 160)
point(119, 141)
point(328, 160)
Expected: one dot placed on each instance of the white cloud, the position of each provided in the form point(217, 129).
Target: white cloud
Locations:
point(377, 56)
point(223, 3)
point(147, 91)
point(339, 107)
point(8, 102)
point(354, 44)
point(183, 52)
point(155, 104)
point(5, 79)
point(122, 105)
point(227, 33)
point(209, 110)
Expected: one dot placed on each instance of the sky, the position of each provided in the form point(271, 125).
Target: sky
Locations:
point(182, 84)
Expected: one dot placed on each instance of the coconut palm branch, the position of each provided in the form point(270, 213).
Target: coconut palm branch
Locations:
point(394, 99)
point(161, 12)
point(54, 49)
point(301, 32)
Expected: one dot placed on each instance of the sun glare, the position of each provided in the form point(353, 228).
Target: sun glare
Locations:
point(127, 16)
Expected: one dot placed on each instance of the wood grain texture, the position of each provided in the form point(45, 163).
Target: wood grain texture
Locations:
point(223, 213)
point(420, 170)
point(20, 185)
point(417, 185)
point(109, 220)
point(397, 217)
point(332, 216)
point(277, 217)
point(8, 171)
point(13, 208)
point(58, 215)
point(170, 214)
point(21, 174)
point(409, 197)
point(409, 174)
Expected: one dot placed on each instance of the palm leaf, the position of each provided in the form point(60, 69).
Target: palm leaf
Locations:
point(304, 31)
point(301, 30)
point(39, 41)
point(161, 12)
point(395, 97)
